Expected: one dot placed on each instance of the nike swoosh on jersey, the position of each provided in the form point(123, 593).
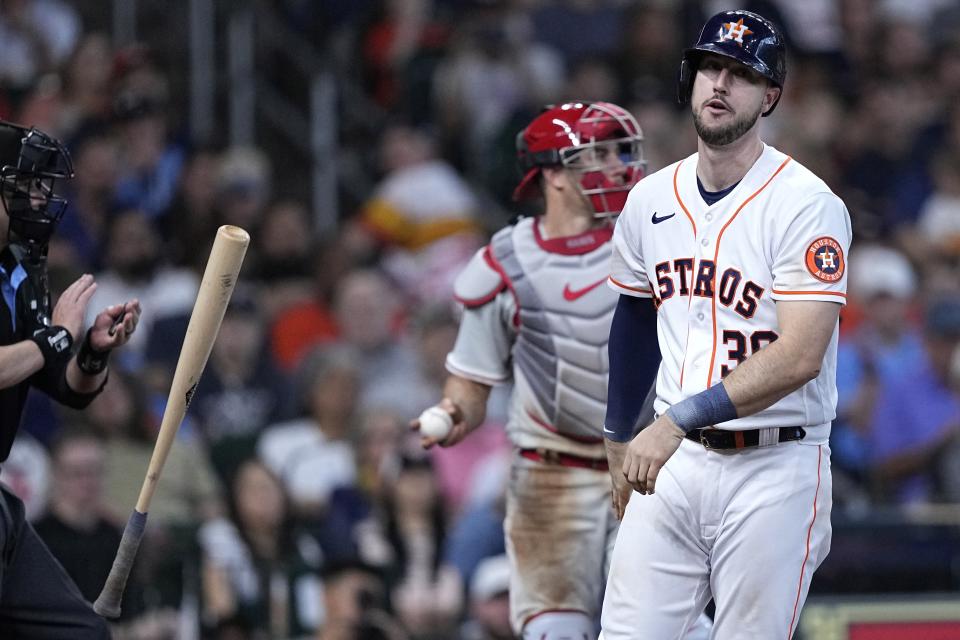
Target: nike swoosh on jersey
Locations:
point(656, 220)
point(570, 294)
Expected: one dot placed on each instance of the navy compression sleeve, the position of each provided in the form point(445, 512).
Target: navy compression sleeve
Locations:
point(634, 359)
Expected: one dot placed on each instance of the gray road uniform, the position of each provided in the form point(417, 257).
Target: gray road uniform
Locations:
point(536, 314)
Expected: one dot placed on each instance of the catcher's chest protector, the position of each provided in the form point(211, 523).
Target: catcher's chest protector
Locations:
point(564, 315)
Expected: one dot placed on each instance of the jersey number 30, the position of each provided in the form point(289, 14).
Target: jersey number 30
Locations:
point(737, 340)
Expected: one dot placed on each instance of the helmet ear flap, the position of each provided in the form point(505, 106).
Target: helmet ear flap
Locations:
point(685, 81)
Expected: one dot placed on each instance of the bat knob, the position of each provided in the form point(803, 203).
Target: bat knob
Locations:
point(105, 609)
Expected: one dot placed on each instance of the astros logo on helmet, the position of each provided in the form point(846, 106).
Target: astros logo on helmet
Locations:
point(735, 31)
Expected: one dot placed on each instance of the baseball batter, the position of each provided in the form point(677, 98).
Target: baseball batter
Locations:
point(742, 251)
point(536, 312)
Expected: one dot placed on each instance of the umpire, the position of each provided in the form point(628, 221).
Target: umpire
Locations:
point(47, 350)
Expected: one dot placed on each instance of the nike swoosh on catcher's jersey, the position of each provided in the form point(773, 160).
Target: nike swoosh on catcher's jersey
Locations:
point(656, 220)
point(570, 295)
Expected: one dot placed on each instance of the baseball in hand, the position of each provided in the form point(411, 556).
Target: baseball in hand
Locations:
point(435, 423)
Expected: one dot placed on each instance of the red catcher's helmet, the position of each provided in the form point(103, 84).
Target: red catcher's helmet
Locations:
point(579, 137)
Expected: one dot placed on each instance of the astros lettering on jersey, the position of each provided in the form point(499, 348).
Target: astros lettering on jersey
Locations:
point(718, 271)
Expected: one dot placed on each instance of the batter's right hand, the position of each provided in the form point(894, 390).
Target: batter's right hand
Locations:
point(457, 433)
point(71, 306)
point(621, 489)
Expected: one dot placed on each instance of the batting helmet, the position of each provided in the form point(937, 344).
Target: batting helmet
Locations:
point(31, 163)
point(573, 135)
point(744, 36)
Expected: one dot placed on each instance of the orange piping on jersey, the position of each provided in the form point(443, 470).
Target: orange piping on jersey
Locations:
point(676, 192)
point(716, 255)
point(628, 287)
point(810, 293)
point(683, 364)
point(806, 556)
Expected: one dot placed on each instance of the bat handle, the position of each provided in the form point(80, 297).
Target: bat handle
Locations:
point(108, 603)
point(116, 322)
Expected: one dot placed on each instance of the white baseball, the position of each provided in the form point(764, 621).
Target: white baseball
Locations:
point(435, 423)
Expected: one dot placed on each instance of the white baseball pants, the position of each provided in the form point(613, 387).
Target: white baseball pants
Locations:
point(747, 527)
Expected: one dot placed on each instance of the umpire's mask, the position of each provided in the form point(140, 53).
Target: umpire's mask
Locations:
point(31, 162)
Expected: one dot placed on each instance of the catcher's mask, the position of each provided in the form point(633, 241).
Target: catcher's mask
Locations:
point(31, 163)
point(601, 142)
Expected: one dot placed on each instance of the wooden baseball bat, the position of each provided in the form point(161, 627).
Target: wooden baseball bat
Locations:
point(219, 278)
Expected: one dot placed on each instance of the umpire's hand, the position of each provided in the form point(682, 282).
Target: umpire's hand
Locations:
point(114, 325)
point(72, 305)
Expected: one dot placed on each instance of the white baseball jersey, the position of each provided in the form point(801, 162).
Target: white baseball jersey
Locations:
point(716, 272)
point(536, 312)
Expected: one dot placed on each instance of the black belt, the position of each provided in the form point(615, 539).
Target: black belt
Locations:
point(712, 438)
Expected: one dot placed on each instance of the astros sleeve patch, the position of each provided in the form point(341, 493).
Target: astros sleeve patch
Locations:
point(825, 259)
point(810, 258)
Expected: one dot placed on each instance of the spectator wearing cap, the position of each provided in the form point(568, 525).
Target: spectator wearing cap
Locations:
point(489, 610)
point(917, 418)
point(151, 163)
point(883, 286)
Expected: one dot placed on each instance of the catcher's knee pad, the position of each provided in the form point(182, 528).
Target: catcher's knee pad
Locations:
point(560, 625)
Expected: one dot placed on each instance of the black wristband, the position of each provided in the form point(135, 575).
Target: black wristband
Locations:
point(89, 359)
point(55, 344)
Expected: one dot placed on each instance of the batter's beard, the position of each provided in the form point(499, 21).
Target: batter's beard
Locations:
point(725, 134)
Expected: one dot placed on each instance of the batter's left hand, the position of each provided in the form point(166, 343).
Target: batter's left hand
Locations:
point(649, 451)
point(620, 489)
point(114, 325)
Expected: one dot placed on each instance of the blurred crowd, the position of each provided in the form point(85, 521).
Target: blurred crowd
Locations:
point(296, 503)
